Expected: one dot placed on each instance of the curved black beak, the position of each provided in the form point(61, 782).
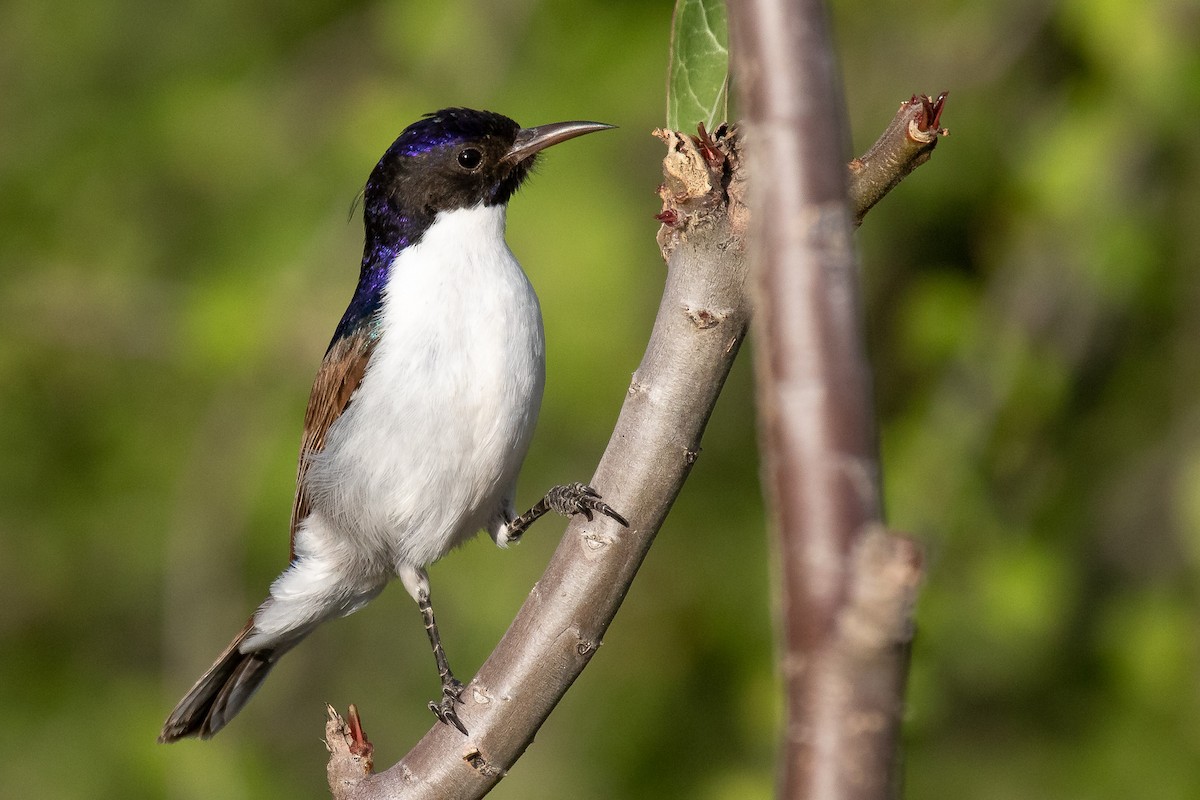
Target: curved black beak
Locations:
point(532, 140)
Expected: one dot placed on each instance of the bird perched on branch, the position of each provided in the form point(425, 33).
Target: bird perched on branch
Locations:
point(422, 410)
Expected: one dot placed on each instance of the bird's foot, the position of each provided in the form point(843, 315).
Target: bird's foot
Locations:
point(446, 710)
point(569, 499)
point(579, 498)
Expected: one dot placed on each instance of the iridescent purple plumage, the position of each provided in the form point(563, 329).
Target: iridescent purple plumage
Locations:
point(395, 219)
point(448, 126)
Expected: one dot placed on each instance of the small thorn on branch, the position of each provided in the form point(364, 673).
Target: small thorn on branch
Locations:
point(708, 147)
point(350, 752)
point(934, 109)
point(924, 128)
point(359, 744)
point(668, 217)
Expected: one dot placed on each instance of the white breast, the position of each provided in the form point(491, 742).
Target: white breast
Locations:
point(428, 451)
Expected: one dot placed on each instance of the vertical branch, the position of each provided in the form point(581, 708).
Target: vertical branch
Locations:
point(847, 585)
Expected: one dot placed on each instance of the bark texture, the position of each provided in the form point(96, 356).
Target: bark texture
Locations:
point(847, 585)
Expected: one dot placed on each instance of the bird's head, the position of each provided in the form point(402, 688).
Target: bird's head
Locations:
point(459, 158)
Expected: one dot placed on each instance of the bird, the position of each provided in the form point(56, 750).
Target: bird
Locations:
point(422, 410)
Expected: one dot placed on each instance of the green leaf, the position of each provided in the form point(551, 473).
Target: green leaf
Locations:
point(698, 83)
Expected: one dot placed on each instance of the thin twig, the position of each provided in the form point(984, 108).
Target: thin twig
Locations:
point(905, 144)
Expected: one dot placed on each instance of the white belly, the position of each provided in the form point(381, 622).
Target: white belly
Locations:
point(429, 449)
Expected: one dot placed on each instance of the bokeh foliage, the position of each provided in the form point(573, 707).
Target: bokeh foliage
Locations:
point(174, 253)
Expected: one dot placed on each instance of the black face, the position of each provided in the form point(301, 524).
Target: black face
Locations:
point(454, 158)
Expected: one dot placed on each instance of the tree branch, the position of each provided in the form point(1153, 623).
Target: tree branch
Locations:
point(905, 144)
point(701, 323)
point(847, 585)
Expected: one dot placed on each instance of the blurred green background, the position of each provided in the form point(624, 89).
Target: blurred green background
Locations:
point(175, 250)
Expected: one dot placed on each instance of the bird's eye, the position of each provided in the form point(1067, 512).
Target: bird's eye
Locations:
point(469, 158)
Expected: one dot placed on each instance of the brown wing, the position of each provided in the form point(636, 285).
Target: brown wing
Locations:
point(340, 373)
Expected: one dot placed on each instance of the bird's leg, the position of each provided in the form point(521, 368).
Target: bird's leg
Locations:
point(568, 500)
point(452, 688)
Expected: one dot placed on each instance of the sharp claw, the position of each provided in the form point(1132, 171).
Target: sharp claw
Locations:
point(452, 718)
point(445, 712)
point(579, 498)
point(609, 512)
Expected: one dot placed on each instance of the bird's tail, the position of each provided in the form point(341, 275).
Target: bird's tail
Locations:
point(221, 691)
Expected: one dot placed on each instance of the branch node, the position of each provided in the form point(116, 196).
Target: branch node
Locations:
point(887, 571)
point(594, 542)
point(480, 695)
point(696, 175)
point(482, 765)
point(350, 753)
point(586, 647)
point(703, 318)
